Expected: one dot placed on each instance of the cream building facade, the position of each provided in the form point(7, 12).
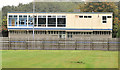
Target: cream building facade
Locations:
point(60, 25)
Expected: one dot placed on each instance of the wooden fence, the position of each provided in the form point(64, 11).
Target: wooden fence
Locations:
point(82, 44)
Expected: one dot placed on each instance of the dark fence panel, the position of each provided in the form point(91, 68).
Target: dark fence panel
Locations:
point(82, 44)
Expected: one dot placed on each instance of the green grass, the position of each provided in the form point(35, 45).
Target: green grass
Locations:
point(59, 59)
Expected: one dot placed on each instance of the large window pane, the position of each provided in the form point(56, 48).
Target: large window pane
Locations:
point(104, 18)
point(35, 21)
point(51, 22)
point(30, 21)
point(42, 22)
point(61, 22)
point(23, 20)
point(12, 20)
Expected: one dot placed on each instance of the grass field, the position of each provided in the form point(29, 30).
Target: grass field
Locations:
point(59, 59)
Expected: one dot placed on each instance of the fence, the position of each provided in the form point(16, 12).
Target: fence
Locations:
point(82, 44)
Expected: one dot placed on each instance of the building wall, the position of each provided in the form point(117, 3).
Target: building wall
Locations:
point(28, 35)
point(54, 37)
point(73, 20)
point(89, 23)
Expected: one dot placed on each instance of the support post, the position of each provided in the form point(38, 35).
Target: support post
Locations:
point(46, 21)
point(108, 45)
point(18, 20)
point(43, 44)
point(56, 20)
point(76, 45)
point(9, 44)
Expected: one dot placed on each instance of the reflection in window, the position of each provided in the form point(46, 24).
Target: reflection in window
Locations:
point(22, 20)
point(41, 21)
point(61, 21)
point(30, 20)
point(51, 21)
point(12, 20)
point(35, 20)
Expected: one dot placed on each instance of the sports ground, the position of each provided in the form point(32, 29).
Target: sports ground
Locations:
point(59, 59)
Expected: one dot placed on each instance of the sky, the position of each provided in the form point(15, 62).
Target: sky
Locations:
point(13, 2)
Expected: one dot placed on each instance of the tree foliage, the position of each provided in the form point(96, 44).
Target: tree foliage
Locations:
point(104, 7)
point(4, 23)
point(0, 17)
point(42, 7)
point(39, 7)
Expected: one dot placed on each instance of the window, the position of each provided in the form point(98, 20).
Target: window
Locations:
point(85, 16)
point(101, 32)
point(80, 16)
point(64, 16)
point(15, 16)
point(35, 20)
point(89, 16)
point(49, 16)
point(10, 16)
point(62, 34)
point(69, 34)
point(41, 21)
point(30, 32)
point(51, 32)
point(104, 19)
point(20, 15)
point(25, 16)
point(30, 21)
point(61, 21)
point(51, 21)
point(41, 32)
point(76, 33)
point(22, 20)
point(89, 32)
point(109, 16)
point(12, 20)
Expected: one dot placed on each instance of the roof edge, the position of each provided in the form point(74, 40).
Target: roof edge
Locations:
point(63, 12)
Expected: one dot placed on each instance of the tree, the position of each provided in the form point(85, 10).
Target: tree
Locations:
point(4, 23)
point(104, 7)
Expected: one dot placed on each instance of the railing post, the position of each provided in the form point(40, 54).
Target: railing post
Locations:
point(58, 45)
point(9, 44)
point(26, 44)
point(43, 44)
point(108, 44)
point(103, 43)
point(84, 43)
point(76, 45)
point(92, 45)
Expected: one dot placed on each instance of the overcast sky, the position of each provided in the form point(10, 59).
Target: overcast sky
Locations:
point(13, 2)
